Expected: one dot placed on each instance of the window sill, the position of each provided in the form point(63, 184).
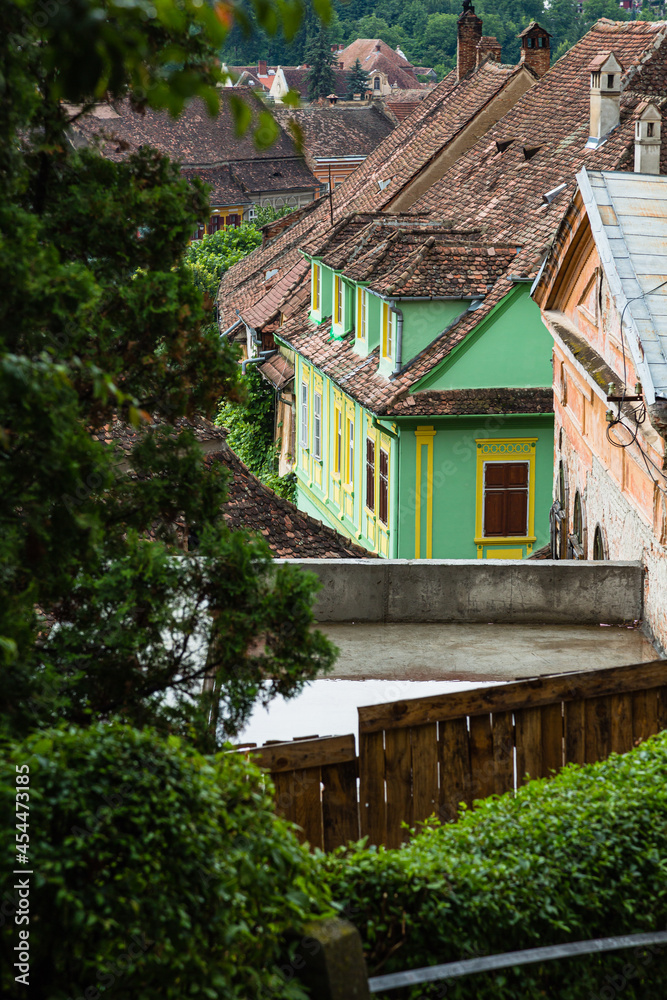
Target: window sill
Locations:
point(503, 540)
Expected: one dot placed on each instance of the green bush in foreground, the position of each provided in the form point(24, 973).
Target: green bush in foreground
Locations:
point(159, 873)
point(581, 855)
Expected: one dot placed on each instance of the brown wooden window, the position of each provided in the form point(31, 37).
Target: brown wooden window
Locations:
point(370, 474)
point(215, 223)
point(505, 499)
point(384, 487)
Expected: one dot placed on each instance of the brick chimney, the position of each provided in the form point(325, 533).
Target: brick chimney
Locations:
point(488, 48)
point(535, 48)
point(261, 67)
point(469, 31)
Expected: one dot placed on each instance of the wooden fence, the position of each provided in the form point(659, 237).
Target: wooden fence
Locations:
point(424, 756)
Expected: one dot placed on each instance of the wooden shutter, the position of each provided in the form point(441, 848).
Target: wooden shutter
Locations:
point(370, 474)
point(505, 499)
point(384, 486)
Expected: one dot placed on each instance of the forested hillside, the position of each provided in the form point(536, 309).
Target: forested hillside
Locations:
point(426, 29)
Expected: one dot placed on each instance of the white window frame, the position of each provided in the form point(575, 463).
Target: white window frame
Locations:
point(350, 453)
point(317, 425)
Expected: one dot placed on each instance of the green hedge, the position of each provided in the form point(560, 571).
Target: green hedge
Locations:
point(159, 873)
point(581, 855)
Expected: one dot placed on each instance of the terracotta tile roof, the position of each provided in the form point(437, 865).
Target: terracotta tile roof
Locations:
point(250, 505)
point(284, 174)
point(194, 138)
point(277, 370)
point(203, 145)
point(473, 401)
point(289, 294)
point(374, 54)
point(349, 131)
point(289, 532)
point(495, 187)
point(224, 189)
point(441, 114)
point(296, 78)
point(503, 190)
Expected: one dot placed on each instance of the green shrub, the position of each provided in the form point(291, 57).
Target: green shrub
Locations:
point(581, 855)
point(158, 873)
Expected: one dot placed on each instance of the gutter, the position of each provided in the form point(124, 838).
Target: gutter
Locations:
point(230, 329)
point(260, 359)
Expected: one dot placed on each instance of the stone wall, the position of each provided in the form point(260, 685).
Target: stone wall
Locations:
point(461, 590)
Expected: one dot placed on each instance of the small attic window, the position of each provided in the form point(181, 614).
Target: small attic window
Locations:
point(529, 151)
point(277, 173)
point(595, 79)
point(649, 130)
point(503, 144)
point(610, 81)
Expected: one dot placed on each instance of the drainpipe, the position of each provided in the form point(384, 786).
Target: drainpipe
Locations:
point(399, 338)
point(261, 357)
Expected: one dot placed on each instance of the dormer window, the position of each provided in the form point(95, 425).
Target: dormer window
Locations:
point(610, 81)
point(595, 80)
point(317, 288)
point(388, 330)
point(362, 310)
point(376, 83)
point(338, 300)
point(649, 130)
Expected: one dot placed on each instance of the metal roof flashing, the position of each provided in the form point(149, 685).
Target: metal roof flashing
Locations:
point(628, 218)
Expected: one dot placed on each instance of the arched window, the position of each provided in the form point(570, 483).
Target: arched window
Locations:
point(577, 520)
point(598, 544)
point(376, 83)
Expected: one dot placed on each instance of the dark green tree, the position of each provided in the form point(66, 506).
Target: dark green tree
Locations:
point(358, 80)
point(102, 612)
point(321, 79)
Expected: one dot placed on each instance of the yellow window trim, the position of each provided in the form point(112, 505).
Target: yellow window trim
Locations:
point(424, 436)
point(349, 417)
point(338, 459)
point(508, 449)
point(316, 287)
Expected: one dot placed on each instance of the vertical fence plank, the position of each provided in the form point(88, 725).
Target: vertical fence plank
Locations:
point(528, 744)
point(552, 738)
point(620, 707)
point(454, 767)
point(662, 709)
point(598, 728)
point(503, 752)
point(308, 804)
point(424, 747)
point(398, 768)
point(644, 714)
point(482, 777)
point(340, 808)
point(285, 798)
point(575, 732)
point(372, 811)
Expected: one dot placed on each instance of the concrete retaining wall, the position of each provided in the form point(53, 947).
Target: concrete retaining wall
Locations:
point(461, 590)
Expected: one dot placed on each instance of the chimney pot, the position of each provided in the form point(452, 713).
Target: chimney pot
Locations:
point(648, 128)
point(535, 48)
point(605, 73)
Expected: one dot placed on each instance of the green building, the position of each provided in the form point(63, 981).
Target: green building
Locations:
point(422, 385)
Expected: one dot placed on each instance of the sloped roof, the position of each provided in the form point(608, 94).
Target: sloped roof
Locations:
point(277, 370)
point(296, 78)
point(250, 505)
point(224, 189)
point(194, 138)
point(205, 146)
point(459, 402)
point(374, 54)
point(440, 116)
point(628, 219)
point(348, 131)
point(499, 192)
